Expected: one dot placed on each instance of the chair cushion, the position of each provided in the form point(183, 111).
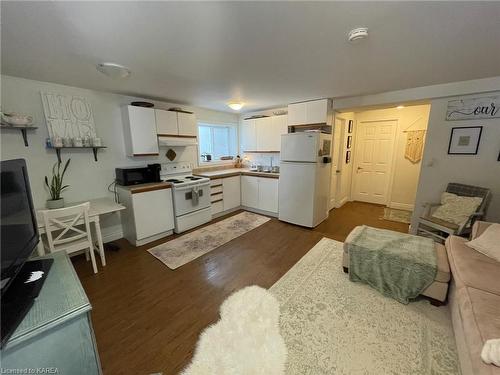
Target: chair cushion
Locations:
point(456, 209)
point(488, 243)
point(470, 268)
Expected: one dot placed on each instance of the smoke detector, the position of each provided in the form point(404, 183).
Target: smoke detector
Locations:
point(358, 34)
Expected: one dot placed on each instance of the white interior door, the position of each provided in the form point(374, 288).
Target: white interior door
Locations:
point(373, 160)
point(338, 149)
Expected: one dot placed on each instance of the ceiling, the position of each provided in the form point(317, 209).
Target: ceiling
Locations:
point(266, 54)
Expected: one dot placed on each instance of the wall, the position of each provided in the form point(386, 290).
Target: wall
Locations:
point(87, 179)
point(405, 174)
point(439, 168)
point(344, 185)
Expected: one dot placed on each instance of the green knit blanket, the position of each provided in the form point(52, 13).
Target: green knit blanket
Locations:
point(398, 265)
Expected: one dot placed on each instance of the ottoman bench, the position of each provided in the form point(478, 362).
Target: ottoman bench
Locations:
point(438, 290)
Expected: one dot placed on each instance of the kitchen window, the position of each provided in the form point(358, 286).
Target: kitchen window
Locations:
point(217, 141)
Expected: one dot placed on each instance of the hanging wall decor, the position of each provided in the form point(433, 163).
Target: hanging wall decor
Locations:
point(414, 145)
point(350, 126)
point(68, 116)
point(465, 140)
point(484, 107)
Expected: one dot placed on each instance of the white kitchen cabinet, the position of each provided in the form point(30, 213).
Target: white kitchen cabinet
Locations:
point(279, 127)
point(140, 131)
point(186, 123)
point(297, 113)
point(250, 191)
point(166, 122)
point(248, 136)
point(260, 193)
point(149, 214)
point(231, 188)
point(268, 194)
point(265, 134)
point(311, 112)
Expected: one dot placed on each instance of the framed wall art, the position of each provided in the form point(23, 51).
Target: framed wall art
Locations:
point(349, 141)
point(348, 157)
point(465, 140)
point(350, 126)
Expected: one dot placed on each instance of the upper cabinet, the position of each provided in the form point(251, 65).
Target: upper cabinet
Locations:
point(140, 131)
point(170, 123)
point(263, 134)
point(312, 112)
point(248, 136)
point(166, 122)
point(187, 124)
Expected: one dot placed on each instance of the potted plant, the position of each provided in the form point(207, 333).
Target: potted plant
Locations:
point(56, 185)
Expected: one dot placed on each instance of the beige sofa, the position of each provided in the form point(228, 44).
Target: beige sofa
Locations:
point(474, 299)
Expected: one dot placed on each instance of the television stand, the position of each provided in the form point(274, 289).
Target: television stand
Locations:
point(21, 294)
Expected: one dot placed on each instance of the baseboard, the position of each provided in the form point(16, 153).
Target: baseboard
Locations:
point(112, 235)
point(222, 213)
point(342, 202)
point(401, 206)
point(257, 211)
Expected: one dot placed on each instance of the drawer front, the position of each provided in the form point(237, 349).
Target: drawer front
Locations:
point(216, 197)
point(217, 181)
point(216, 189)
point(217, 207)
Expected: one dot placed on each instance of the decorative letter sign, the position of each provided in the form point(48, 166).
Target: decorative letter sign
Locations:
point(68, 116)
point(476, 108)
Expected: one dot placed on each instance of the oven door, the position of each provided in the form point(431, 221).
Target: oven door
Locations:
point(191, 198)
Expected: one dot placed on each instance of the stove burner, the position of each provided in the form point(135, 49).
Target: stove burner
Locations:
point(174, 181)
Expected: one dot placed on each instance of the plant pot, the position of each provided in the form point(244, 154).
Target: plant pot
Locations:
point(55, 203)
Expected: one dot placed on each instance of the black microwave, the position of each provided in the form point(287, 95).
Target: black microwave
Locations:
point(135, 176)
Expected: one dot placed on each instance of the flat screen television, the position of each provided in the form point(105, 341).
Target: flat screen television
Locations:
point(19, 231)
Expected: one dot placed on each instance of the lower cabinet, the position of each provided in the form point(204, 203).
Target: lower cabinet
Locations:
point(232, 192)
point(260, 193)
point(149, 214)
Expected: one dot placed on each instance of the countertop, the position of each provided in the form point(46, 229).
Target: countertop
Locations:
point(142, 188)
point(235, 172)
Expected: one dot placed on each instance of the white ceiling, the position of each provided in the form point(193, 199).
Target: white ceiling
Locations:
point(266, 54)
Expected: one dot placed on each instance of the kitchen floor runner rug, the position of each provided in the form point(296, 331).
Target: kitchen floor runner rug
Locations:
point(182, 250)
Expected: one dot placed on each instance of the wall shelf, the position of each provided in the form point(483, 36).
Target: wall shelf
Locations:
point(93, 148)
point(22, 128)
point(260, 152)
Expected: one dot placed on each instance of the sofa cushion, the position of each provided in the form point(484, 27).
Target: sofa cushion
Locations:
point(471, 268)
point(480, 317)
point(488, 242)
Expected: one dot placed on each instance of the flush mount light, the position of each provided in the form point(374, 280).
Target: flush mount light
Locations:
point(400, 107)
point(357, 34)
point(236, 106)
point(113, 70)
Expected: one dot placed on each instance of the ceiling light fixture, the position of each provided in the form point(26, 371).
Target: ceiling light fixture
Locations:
point(400, 107)
point(236, 106)
point(113, 70)
point(357, 34)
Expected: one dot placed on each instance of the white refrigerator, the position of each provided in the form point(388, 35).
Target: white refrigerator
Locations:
point(304, 184)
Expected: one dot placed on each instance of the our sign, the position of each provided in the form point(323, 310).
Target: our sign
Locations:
point(476, 108)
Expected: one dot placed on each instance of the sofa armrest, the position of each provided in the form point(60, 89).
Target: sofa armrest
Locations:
point(478, 228)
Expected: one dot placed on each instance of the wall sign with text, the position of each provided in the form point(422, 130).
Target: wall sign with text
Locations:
point(475, 108)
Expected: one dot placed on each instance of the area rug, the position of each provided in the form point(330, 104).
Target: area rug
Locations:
point(401, 216)
point(192, 245)
point(246, 339)
point(334, 326)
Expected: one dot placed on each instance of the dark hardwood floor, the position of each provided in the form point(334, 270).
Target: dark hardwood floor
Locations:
point(147, 318)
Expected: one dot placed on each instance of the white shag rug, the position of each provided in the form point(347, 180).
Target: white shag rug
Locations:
point(245, 341)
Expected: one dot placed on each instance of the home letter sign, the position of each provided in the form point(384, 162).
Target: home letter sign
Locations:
point(476, 108)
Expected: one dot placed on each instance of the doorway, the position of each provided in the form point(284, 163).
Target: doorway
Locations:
point(373, 160)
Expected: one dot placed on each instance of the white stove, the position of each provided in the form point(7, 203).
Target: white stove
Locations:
point(190, 194)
